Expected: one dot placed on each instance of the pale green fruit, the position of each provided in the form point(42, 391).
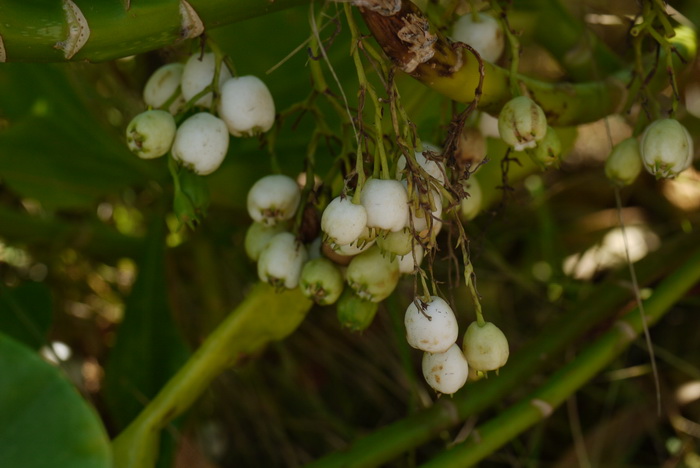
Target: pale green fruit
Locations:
point(354, 312)
point(150, 134)
point(548, 149)
point(373, 276)
point(321, 281)
point(485, 347)
point(258, 236)
point(408, 262)
point(446, 372)
point(624, 163)
point(432, 327)
point(471, 206)
point(666, 148)
point(522, 123)
point(396, 243)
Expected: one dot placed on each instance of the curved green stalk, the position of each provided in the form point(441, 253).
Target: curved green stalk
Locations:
point(31, 30)
point(542, 402)
point(395, 439)
point(262, 317)
point(424, 53)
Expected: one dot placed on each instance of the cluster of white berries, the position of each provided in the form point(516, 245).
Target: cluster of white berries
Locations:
point(245, 107)
point(431, 327)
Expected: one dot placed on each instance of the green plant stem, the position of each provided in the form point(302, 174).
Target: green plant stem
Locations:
point(455, 74)
point(30, 30)
point(262, 317)
point(389, 442)
point(540, 404)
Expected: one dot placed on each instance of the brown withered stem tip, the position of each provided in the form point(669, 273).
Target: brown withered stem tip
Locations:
point(404, 34)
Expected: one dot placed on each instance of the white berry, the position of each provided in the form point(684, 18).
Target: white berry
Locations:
point(432, 327)
point(434, 168)
point(150, 134)
point(420, 221)
point(273, 198)
point(281, 261)
point(666, 148)
point(201, 143)
point(522, 123)
point(485, 347)
point(407, 263)
point(162, 85)
point(198, 74)
point(386, 203)
point(246, 106)
point(485, 35)
point(343, 221)
point(446, 372)
point(258, 236)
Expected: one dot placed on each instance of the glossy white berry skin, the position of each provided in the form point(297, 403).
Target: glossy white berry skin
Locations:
point(624, 163)
point(273, 198)
point(485, 347)
point(435, 334)
point(164, 82)
point(321, 281)
point(485, 35)
point(446, 372)
point(434, 168)
point(386, 203)
point(343, 221)
point(258, 236)
point(150, 134)
point(201, 143)
point(666, 148)
point(246, 106)
point(471, 206)
point(372, 276)
point(198, 74)
point(407, 263)
point(281, 261)
point(522, 123)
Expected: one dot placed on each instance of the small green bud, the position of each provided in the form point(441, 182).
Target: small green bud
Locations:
point(624, 163)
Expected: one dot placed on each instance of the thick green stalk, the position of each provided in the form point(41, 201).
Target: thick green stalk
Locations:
point(391, 441)
point(420, 50)
point(30, 31)
point(262, 317)
point(540, 404)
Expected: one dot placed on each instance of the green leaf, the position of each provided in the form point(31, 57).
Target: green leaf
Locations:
point(45, 422)
point(149, 348)
point(25, 313)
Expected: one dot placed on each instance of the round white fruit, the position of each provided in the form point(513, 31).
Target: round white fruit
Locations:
point(258, 236)
point(485, 347)
point(198, 74)
point(434, 168)
point(422, 219)
point(409, 262)
point(484, 34)
point(201, 143)
point(666, 148)
point(246, 106)
point(150, 134)
point(432, 327)
point(162, 85)
point(273, 198)
point(373, 276)
point(522, 123)
point(343, 221)
point(386, 203)
point(446, 372)
point(281, 261)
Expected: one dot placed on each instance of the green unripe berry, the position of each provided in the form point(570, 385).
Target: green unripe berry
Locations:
point(624, 163)
point(666, 148)
point(396, 243)
point(485, 347)
point(548, 150)
point(321, 281)
point(354, 312)
point(373, 276)
point(150, 134)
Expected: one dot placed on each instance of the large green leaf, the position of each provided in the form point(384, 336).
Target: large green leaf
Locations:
point(45, 422)
point(25, 312)
point(52, 146)
point(149, 348)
